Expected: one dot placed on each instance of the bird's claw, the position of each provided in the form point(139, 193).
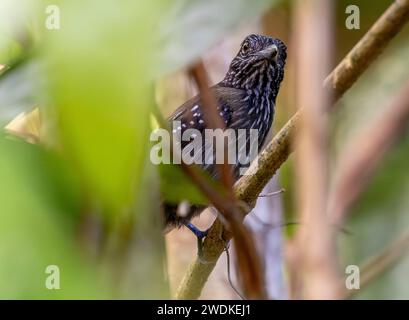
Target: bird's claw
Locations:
point(200, 235)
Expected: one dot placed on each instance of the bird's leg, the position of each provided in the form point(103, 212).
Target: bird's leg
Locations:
point(200, 235)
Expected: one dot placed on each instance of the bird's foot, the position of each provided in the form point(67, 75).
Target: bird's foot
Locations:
point(200, 235)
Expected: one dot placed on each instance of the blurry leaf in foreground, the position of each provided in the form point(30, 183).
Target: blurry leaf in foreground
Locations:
point(99, 69)
point(9, 50)
point(36, 229)
point(15, 17)
point(177, 187)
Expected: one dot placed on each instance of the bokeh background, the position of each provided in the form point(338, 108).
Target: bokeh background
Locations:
point(77, 189)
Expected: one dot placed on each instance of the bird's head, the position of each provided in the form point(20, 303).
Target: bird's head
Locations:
point(259, 64)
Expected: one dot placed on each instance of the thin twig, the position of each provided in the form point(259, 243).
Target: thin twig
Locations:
point(272, 225)
point(270, 194)
point(229, 274)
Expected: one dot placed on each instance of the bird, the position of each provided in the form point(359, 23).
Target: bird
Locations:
point(246, 99)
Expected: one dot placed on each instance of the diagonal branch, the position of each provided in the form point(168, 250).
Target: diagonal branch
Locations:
point(269, 161)
point(248, 261)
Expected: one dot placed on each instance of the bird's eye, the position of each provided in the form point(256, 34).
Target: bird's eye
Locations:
point(245, 48)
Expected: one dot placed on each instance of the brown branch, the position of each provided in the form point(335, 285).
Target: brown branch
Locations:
point(315, 242)
point(212, 119)
point(270, 160)
point(247, 258)
point(368, 48)
point(198, 272)
point(378, 264)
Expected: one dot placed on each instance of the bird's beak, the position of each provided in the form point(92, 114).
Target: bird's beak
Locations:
point(269, 53)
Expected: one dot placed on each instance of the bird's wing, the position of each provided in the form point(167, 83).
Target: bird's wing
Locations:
point(229, 103)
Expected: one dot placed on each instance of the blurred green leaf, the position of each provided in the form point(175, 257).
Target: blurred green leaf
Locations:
point(177, 187)
point(99, 74)
point(37, 229)
point(9, 49)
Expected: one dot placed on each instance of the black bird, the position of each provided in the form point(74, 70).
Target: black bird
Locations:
point(246, 100)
